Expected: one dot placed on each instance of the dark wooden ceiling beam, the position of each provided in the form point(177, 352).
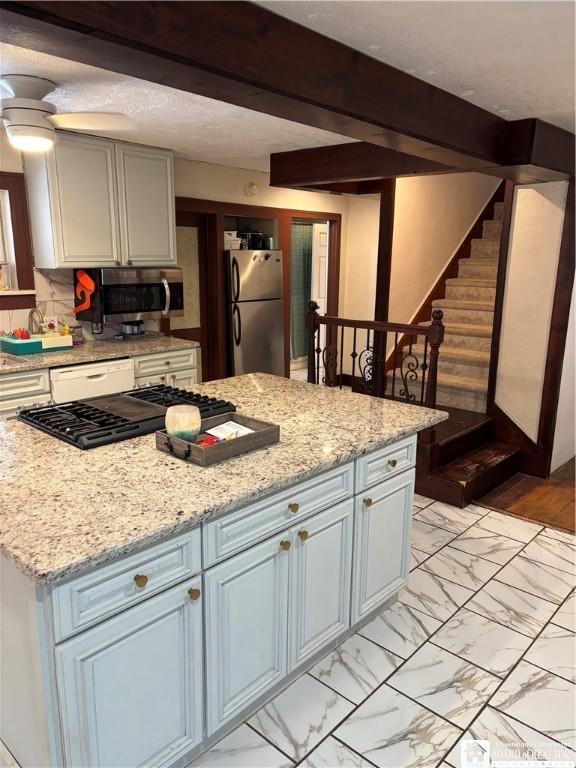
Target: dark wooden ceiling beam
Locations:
point(244, 54)
point(339, 163)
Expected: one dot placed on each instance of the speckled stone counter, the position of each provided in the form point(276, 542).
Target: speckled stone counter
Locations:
point(64, 511)
point(91, 351)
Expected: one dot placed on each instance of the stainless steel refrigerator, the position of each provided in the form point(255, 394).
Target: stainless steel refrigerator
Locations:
point(256, 319)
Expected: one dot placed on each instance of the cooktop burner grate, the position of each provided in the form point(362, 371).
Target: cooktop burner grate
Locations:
point(90, 423)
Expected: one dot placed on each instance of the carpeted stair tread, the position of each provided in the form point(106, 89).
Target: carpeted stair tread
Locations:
point(465, 329)
point(484, 306)
point(450, 381)
point(456, 353)
point(472, 282)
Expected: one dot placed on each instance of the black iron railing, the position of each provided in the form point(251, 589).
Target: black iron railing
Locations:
point(393, 360)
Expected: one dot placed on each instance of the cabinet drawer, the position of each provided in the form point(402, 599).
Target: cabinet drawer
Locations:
point(164, 362)
point(25, 384)
point(181, 379)
point(241, 529)
point(101, 593)
point(387, 462)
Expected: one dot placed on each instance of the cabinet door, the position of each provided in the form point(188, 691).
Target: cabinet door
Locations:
point(320, 581)
point(147, 204)
point(86, 225)
point(246, 628)
point(131, 688)
point(383, 516)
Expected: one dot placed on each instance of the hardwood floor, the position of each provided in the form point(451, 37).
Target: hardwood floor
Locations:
point(549, 502)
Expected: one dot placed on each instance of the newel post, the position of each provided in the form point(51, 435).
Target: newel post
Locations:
point(435, 337)
point(312, 326)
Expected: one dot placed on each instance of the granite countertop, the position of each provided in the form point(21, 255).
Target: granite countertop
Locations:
point(64, 511)
point(92, 351)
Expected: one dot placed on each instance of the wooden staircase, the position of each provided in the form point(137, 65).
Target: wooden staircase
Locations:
point(463, 460)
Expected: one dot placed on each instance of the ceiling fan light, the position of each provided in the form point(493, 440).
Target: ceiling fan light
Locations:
point(30, 138)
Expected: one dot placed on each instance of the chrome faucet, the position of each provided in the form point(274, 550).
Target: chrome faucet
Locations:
point(35, 317)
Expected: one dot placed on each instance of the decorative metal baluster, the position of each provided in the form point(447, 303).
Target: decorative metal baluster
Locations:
point(313, 328)
point(354, 355)
point(394, 364)
point(424, 367)
point(341, 353)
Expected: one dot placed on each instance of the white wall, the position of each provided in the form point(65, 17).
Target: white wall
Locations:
point(564, 447)
point(432, 216)
point(537, 219)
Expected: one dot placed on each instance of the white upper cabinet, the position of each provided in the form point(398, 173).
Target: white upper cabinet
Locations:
point(146, 197)
point(100, 203)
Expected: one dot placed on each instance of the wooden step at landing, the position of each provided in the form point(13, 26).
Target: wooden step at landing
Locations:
point(472, 475)
point(466, 311)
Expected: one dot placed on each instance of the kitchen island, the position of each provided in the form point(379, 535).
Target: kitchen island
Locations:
point(132, 581)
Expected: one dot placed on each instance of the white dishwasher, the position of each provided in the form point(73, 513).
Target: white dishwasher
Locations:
point(79, 382)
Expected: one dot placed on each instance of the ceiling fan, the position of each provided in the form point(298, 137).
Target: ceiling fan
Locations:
point(30, 121)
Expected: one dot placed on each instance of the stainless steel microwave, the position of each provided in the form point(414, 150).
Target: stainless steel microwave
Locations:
point(114, 295)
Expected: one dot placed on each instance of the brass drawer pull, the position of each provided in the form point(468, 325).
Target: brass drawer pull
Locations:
point(303, 535)
point(167, 362)
point(194, 593)
point(173, 378)
point(392, 463)
point(285, 545)
point(140, 580)
point(367, 501)
point(294, 507)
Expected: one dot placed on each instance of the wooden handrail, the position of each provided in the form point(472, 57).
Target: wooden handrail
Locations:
point(326, 356)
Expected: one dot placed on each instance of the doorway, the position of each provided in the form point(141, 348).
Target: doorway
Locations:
point(308, 282)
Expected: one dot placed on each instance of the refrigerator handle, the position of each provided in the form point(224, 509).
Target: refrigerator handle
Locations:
point(236, 325)
point(235, 279)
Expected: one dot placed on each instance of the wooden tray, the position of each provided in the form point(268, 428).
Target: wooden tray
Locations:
point(264, 434)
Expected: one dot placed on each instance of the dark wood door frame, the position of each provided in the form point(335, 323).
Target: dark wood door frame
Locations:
point(14, 184)
point(213, 287)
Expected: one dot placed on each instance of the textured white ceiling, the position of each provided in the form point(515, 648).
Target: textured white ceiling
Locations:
point(194, 126)
point(514, 58)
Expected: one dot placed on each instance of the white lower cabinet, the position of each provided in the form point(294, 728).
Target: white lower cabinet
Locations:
point(383, 517)
point(246, 628)
point(131, 688)
point(180, 379)
point(272, 607)
point(320, 581)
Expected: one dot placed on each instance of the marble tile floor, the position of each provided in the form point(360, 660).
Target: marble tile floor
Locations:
point(480, 645)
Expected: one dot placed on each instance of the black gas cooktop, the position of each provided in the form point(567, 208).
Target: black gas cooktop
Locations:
point(104, 420)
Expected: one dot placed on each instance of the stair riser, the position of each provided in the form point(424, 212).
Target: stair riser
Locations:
point(460, 398)
point(467, 370)
point(467, 269)
point(474, 316)
point(481, 343)
point(483, 248)
point(491, 230)
point(498, 211)
point(472, 292)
